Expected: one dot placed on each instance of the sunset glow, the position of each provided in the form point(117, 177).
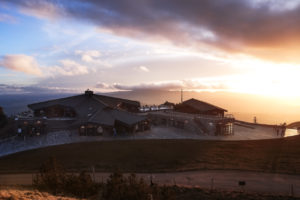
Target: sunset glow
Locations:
point(242, 47)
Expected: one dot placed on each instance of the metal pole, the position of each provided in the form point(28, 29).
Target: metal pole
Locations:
point(181, 95)
point(212, 184)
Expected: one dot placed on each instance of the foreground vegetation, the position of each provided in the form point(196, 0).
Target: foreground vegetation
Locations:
point(28, 193)
point(277, 155)
point(6, 125)
point(53, 178)
point(3, 118)
point(7, 131)
point(9, 193)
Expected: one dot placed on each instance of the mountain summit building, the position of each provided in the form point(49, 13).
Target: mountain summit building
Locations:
point(194, 106)
point(91, 114)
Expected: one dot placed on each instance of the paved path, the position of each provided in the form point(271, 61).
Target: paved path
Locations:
point(17, 144)
point(278, 184)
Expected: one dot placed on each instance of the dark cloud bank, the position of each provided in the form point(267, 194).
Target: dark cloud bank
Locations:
point(232, 25)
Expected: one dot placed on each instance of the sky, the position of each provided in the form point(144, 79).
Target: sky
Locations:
point(242, 46)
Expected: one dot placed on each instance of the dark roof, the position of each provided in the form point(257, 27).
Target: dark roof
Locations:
point(109, 116)
point(74, 101)
point(201, 105)
point(114, 101)
point(95, 108)
point(167, 103)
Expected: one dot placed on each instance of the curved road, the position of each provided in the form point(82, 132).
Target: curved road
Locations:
point(277, 184)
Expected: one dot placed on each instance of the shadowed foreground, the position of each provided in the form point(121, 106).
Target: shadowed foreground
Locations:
point(278, 155)
point(179, 193)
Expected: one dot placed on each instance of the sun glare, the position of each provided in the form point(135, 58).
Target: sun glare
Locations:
point(265, 78)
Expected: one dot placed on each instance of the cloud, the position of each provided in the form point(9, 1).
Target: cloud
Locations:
point(7, 18)
point(39, 8)
point(34, 89)
point(67, 68)
point(167, 85)
point(143, 69)
point(258, 28)
point(150, 86)
point(28, 65)
point(21, 63)
point(267, 29)
point(88, 56)
point(92, 57)
point(104, 86)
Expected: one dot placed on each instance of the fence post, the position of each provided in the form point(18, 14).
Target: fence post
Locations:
point(212, 184)
point(291, 190)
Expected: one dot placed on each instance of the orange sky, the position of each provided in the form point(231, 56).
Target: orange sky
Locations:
point(237, 46)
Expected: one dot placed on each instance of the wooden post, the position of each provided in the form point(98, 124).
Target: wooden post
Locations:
point(212, 184)
point(291, 190)
point(93, 172)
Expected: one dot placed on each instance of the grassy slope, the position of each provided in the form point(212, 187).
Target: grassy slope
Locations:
point(280, 155)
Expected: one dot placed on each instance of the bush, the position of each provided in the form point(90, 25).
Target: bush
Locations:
point(3, 118)
point(53, 178)
point(81, 186)
point(119, 187)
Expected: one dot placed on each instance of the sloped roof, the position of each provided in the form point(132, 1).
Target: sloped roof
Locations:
point(73, 101)
point(114, 101)
point(127, 117)
point(95, 108)
point(201, 105)
point(167, 103)
point(102, 116)
point(109, 116)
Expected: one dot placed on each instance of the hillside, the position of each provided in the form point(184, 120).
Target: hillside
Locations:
point(294, 125)
point(277, 155)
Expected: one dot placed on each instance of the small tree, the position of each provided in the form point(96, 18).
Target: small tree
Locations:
point(51, 176)
point(119, 187)
point(3, 118)
point(81, 186)
point(115, 187)
point(137, 188)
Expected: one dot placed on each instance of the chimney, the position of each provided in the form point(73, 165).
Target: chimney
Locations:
point(88, 93)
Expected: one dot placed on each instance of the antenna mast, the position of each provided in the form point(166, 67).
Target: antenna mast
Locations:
point(181, 95)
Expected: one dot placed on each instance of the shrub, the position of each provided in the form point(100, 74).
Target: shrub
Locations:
point(119, 187)
point(3, 118)
point(81, 186)
point(53, 178)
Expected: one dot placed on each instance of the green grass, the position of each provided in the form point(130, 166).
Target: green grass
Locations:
point(277, 155)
